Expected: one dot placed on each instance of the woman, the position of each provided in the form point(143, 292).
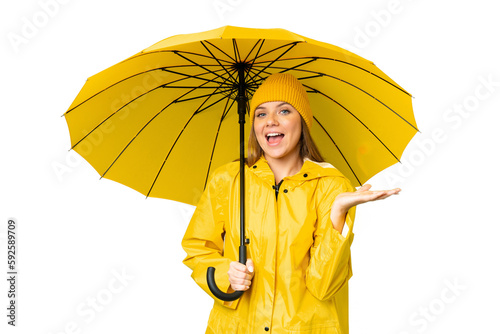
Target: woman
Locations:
point(299, 251)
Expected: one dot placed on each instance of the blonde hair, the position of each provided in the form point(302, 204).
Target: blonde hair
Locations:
point(308, 148)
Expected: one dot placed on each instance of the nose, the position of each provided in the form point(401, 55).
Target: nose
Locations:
point(272, 119)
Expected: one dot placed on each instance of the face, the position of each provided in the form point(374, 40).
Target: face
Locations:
point(278, 128)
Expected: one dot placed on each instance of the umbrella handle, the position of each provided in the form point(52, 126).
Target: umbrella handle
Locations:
point(215, 289)
point(228, 297)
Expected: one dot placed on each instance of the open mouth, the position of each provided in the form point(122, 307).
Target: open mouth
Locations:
point(274, 138)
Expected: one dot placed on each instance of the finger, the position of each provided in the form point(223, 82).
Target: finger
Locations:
point(381, 197)
point(239, 287)
point(372, 196)
point(240, 284)
point(240, 281)
point(384, 194)
point(392, 191)
point(235, 265)
point(238, 275)
point(387, 193)
point(250, 265)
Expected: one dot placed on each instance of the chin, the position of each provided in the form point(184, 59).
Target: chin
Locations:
point(275, 155)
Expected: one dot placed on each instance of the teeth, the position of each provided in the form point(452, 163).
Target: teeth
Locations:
point(273, 134)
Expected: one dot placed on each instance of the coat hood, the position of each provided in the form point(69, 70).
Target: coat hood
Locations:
point(310, 170)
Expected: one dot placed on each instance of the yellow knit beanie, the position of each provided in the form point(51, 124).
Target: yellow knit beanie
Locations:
point(283, 87)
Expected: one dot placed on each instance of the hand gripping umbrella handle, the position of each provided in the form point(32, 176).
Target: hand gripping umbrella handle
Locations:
point(215, 289)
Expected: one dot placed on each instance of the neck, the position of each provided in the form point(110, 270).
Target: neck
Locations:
point(286, 166)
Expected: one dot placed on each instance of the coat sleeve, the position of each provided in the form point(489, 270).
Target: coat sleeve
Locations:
point(204, 241)
point(330, 255)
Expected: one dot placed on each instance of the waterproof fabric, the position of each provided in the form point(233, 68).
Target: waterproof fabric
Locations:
point(302, 264)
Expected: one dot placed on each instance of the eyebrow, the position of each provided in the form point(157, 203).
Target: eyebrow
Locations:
point(279, 105)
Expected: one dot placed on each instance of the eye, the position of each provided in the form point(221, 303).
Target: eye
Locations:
point(284, 111)
point(260, 114)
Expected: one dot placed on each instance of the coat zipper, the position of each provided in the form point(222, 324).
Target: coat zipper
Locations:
point(276, 217)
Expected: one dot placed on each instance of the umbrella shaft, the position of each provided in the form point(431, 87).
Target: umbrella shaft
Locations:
point(241, 112)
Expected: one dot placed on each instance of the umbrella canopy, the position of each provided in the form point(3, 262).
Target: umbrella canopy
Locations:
point(162, 120)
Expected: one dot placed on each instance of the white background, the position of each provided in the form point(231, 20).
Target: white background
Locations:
point(77, 233)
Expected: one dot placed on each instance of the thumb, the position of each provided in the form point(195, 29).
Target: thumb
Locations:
point(365, 187)
point(250, 265)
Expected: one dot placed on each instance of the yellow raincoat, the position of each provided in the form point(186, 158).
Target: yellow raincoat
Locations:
point(302, 264)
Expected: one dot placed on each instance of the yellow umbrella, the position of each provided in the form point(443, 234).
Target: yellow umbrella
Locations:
point(162, 120)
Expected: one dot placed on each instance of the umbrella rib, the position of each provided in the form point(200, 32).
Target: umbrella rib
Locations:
point(289, 69)
point(144, 72)
point(252, 81)
point(211, 94)
point(114, 84)
point(319, 74)
point(236, 51)
point(336, 102)
point(224, 67)
point(338, 148)
point(222, 51)
point(291, 45)
point(138, 97)
point(299, 65)
point(214, 103)
point(373, 97)
point(346, 63)
point(230, 90)
point(131, 101)
point(203, 55)
point(277, 48)
point(197, 111)
point(208, 87)
point(224, 113)
point(201, 66)
point(281, 55)
point(145, 125)
point(253, 47)
point(197, 76)
point(167, 51)
point(114, 113)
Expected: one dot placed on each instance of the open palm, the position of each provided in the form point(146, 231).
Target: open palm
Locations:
point(344, 201)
